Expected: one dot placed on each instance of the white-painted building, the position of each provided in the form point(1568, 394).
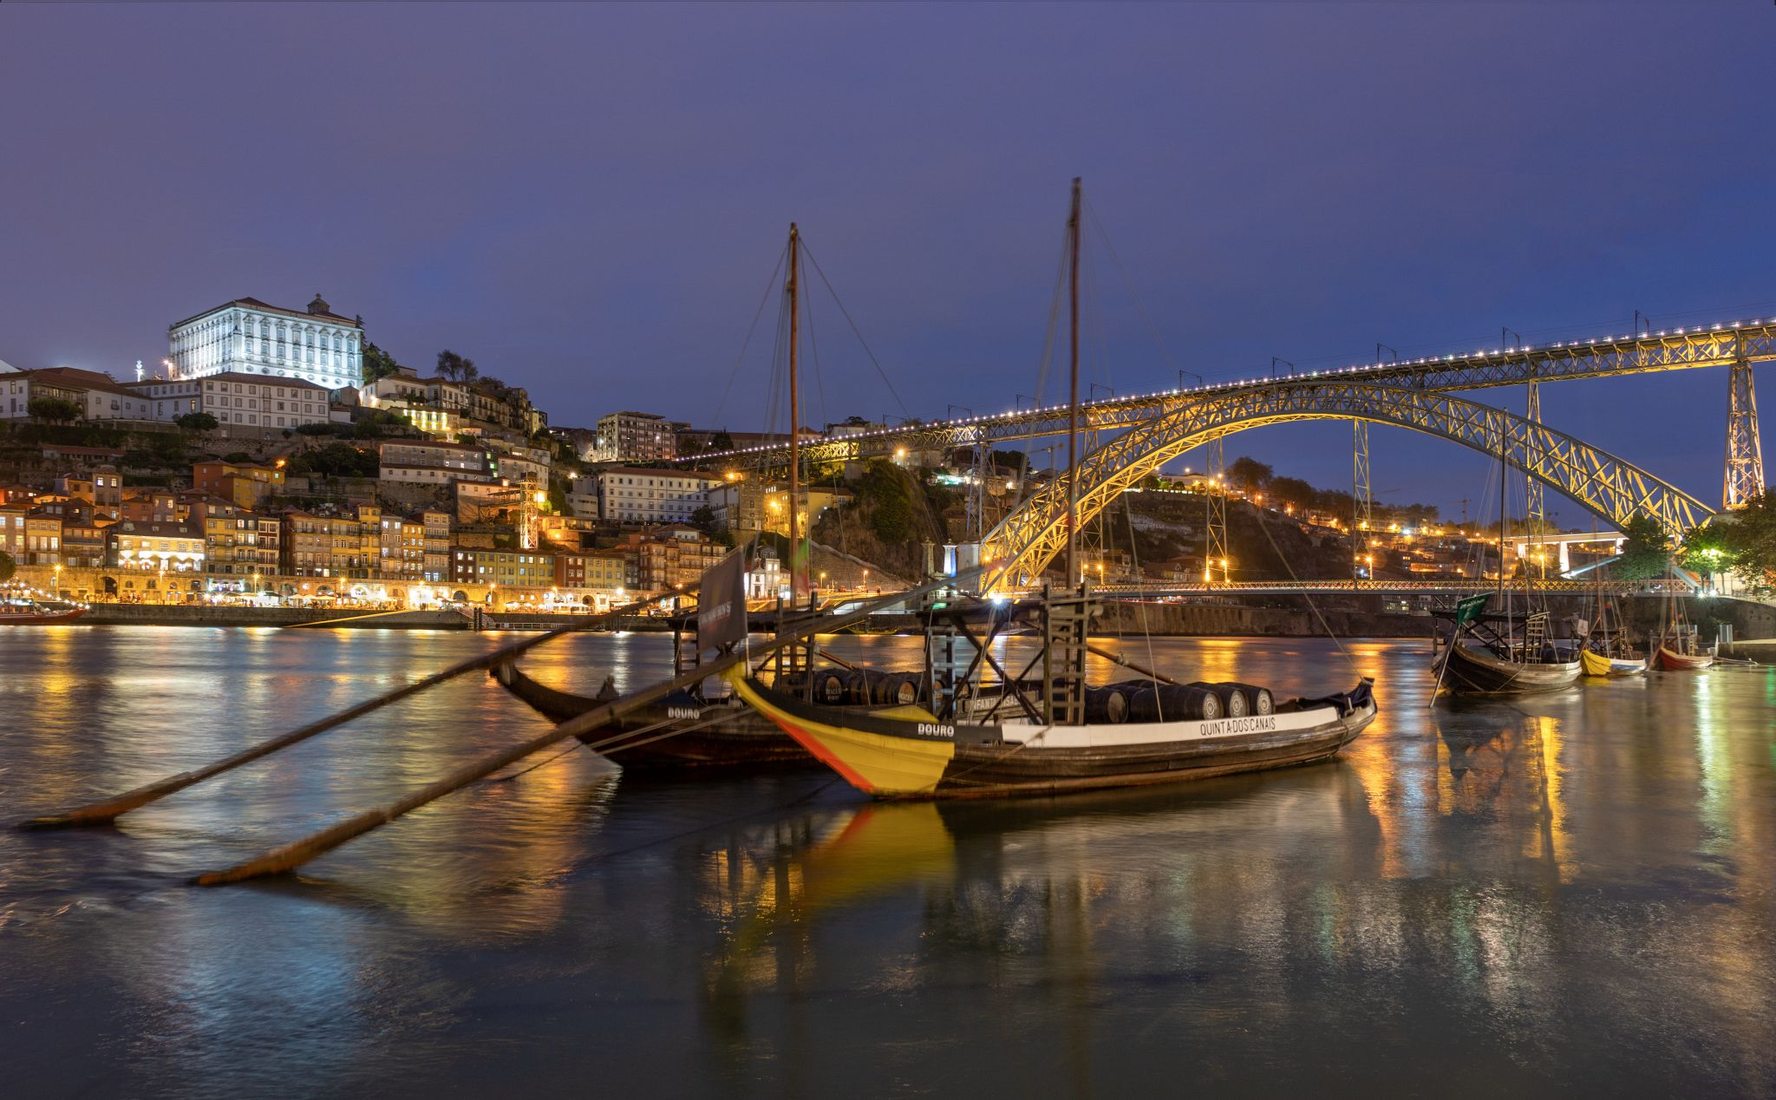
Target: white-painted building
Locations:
point(636, 494)
point(633, 437)
point(248, 336)
point(239, 400)
point(96, 396)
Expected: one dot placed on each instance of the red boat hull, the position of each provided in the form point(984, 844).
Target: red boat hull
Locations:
point(1670, 661)
point(41, 618)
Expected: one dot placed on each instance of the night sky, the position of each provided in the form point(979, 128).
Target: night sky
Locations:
point(588, 200)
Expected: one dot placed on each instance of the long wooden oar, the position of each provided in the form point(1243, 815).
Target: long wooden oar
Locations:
point(295, 854)
point(107, 811)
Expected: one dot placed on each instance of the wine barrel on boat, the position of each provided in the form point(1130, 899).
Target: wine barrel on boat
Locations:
point(1151, 702)
point(1234, 701)
point(1107, 705)
point(1258, 700)
point(829, 687)
point(901, 688)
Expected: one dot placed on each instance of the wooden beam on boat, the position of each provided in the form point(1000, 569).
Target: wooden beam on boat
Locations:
point(1128, 664)
point(295, 854)
point(108, 810)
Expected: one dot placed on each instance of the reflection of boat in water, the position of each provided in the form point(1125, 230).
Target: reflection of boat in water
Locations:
point(969, 856)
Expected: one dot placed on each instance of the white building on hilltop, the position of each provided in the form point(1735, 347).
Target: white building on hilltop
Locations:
point(247, 336)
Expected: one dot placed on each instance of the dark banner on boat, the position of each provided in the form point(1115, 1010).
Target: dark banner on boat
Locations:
point(721, 604)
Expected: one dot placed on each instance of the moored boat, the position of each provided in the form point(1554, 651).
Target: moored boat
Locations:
point(25, 608)
point(914, 754)
point(1668, 659)
point(684, 730)
point(1468, 669)
point(1601, 665)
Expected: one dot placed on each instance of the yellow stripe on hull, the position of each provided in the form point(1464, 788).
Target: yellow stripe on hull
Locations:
point(872, 762)
point(1596, 664)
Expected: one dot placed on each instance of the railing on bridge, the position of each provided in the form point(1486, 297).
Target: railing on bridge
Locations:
point(1738, 344)
point(1455, 586)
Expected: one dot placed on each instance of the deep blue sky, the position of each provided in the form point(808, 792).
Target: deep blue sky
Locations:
point(588, 200)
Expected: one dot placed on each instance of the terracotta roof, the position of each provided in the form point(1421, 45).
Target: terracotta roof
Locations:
point(654, 471)
point(433, 443)
point(228, 376)
point(254, 303)
point(75, 378)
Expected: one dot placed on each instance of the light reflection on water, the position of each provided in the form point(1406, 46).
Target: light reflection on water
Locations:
point(1569, 892)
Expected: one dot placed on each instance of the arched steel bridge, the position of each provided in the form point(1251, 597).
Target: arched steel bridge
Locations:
point(1416, 394)
point(1723, 345)
point(1019, 548)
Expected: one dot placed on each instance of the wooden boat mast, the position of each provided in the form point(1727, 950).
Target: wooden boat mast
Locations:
point(1073, 390)
point(795, 412)
point(1504, 480)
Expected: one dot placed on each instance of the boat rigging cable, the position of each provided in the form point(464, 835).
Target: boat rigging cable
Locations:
point(739, 359)
point(855, 331)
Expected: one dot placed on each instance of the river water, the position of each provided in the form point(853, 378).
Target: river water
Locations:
point(1567, 895)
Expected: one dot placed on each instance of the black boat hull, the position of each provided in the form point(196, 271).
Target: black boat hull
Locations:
point(1465, 671)
point(683, 732)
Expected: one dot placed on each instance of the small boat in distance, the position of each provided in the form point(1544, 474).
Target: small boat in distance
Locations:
point(1675, 648)
point(1605, 653)
point(21, 606)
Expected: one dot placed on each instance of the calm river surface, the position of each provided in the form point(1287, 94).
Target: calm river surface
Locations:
point(1566, 896)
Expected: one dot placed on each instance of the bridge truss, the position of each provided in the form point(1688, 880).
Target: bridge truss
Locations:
point(1737, 345)
point(1021, 546)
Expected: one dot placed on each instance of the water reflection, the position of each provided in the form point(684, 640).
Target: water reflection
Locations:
point(1564, 893)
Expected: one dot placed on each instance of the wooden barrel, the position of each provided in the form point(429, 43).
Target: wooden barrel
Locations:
point(829, 687)
point(901, 688)
point(1149, 702)
point(1107, 705)
point(1235, 703)
point(1262, 702)
point(860, 685)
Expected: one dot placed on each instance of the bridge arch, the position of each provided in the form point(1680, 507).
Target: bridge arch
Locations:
point(1024, 543)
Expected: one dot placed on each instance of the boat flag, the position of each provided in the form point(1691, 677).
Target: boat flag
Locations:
point(721, 602)
point(1468, 608)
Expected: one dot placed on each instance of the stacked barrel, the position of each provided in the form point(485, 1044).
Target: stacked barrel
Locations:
point(1155, 701)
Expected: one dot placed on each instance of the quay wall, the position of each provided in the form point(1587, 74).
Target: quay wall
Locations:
point(143, 614)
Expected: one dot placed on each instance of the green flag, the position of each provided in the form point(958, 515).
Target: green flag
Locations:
point(1468, 609)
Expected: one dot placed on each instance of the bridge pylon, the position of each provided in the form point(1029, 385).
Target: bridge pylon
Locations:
point(1362, 498)
point(1745, 454)
point(1535, 503)
point(1215, 513)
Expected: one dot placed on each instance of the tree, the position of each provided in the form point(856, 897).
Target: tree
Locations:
point(7, 566)
point(1292, 490)
point(197, 422)
point(1248, 474)
point(1709, 548)
point(53, 408)
point(1748, 537)
point(1644, 551)
point(455, 367)
point(378, 363)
